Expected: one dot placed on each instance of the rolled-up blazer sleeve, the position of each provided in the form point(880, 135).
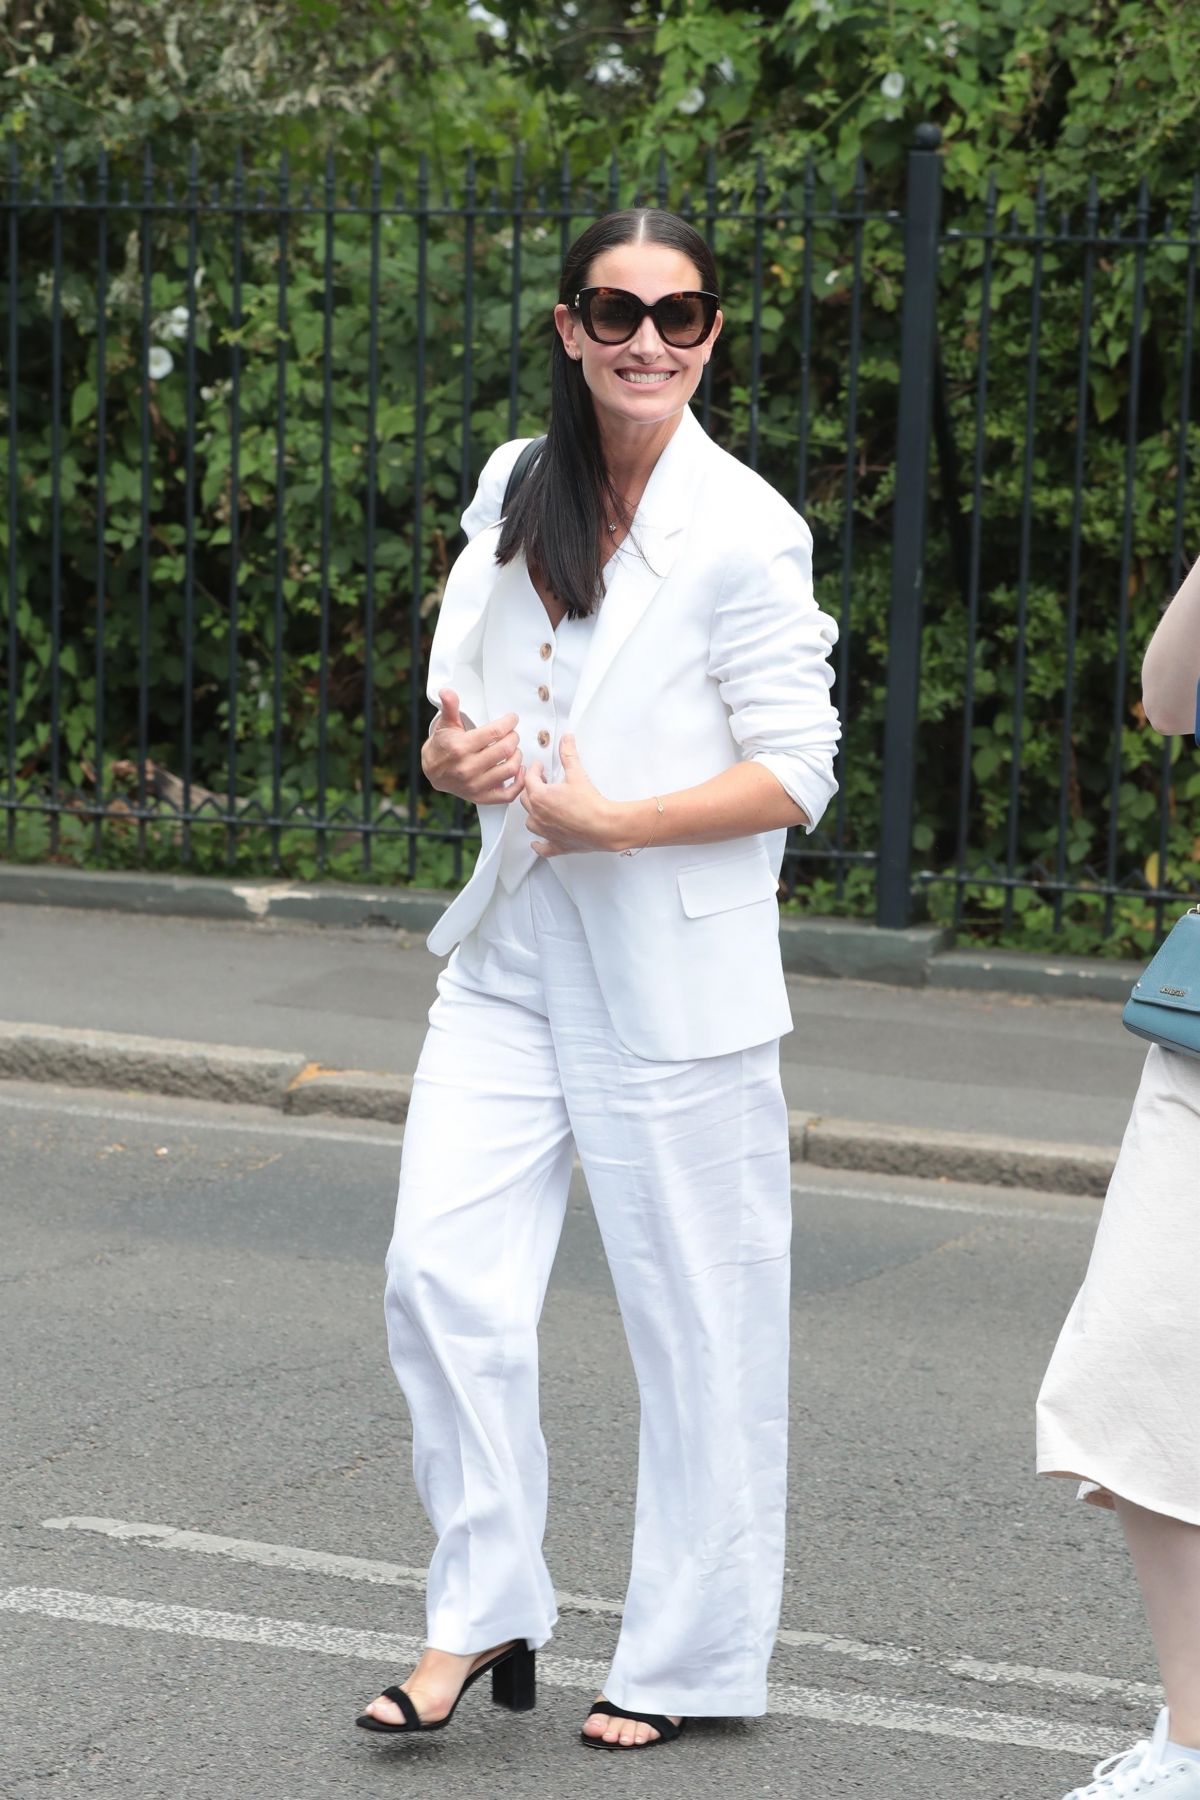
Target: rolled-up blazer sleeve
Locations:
point(769, 654)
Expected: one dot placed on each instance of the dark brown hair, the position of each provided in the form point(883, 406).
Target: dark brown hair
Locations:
point(563, 507)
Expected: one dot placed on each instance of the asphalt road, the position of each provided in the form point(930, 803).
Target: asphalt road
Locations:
point(211, 1551)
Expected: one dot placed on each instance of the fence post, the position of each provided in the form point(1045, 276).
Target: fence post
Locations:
point(918, 354)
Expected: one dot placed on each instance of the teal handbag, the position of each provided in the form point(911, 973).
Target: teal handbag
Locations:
point(1165, 1003)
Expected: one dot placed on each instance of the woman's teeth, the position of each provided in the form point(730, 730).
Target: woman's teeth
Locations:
point(643, 379)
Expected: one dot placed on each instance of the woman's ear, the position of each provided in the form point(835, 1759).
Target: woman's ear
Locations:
point(565, 323)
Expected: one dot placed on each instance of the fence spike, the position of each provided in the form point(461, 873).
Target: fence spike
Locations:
point(469, 184)
point(614, 183)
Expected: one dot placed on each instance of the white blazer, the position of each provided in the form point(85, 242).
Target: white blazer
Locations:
point(708, 648)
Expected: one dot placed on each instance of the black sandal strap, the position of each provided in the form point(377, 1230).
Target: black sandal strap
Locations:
point(666, 1728)
point(398, 1697)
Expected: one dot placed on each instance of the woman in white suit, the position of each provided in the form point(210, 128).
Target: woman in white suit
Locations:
point(633, 685)
point(1118, 1409)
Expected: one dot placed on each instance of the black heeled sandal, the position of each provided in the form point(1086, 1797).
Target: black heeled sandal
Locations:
point(666, 1728)
point(514, 1685)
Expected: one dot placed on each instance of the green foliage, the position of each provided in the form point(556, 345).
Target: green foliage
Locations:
point(1064, 90)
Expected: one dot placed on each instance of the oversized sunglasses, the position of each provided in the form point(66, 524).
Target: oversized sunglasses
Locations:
point(612, 316)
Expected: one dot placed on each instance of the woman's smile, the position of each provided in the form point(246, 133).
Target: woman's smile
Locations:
point(645, 377)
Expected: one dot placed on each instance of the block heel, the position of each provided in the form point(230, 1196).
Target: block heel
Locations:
point(513, 1685)
point(514, 1681)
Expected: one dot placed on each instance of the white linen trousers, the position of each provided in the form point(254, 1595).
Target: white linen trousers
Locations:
point(688, 1168)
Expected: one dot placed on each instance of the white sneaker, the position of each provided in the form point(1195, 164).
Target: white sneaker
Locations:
point(1146, 1770)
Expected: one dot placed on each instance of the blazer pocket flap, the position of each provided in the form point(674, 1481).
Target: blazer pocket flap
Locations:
point(720, 886)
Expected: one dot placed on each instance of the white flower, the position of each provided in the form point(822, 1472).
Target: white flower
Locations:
point(892, 85)
point(208, 393)
point(159, 363)
point(178, 320)
point(483, 15)
point(691, 102)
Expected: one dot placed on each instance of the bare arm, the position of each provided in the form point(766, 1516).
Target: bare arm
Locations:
point(572, 815)
point(1172, 664)
point(738, 802)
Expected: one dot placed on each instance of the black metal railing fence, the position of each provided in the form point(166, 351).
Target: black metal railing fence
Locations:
point(240, 426)
point(241, 421)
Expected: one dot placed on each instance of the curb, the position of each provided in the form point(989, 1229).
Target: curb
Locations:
point(959, 1156)
point(295, 1085)
point(150, 1065)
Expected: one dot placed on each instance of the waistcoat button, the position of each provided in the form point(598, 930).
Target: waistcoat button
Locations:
point(543, 693)
point(543, 738)
point(546, 651)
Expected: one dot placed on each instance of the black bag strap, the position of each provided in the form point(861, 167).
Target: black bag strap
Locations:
point(520, 470)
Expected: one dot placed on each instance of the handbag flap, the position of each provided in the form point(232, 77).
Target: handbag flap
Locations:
point(1172, 978)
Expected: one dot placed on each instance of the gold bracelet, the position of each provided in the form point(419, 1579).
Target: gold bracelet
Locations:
point(650, 839)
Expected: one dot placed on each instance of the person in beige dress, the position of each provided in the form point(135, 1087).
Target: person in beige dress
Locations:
point(1119, 1409)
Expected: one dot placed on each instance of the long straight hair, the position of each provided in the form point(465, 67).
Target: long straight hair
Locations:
point(562, 511)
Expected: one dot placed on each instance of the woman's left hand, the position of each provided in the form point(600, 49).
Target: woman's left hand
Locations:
point(571, 814)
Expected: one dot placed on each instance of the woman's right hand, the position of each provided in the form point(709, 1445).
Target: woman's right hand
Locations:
point(473, 761)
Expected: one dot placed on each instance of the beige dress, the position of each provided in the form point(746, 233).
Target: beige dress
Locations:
point(1119, 1408)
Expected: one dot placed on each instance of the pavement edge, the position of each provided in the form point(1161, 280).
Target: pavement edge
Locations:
point(295, 1085)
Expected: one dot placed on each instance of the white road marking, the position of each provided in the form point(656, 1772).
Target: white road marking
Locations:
point(875, 1711)
point(1062, 1681)
point(388, 1574)
point(184, 1122)
point(1077, 1209)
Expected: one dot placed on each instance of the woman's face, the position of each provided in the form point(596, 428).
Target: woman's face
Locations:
point(645, 381)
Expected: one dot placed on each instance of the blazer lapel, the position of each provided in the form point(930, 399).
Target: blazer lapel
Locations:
point(646, 558)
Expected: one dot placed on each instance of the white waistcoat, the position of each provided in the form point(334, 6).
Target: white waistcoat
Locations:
point(540, 676)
